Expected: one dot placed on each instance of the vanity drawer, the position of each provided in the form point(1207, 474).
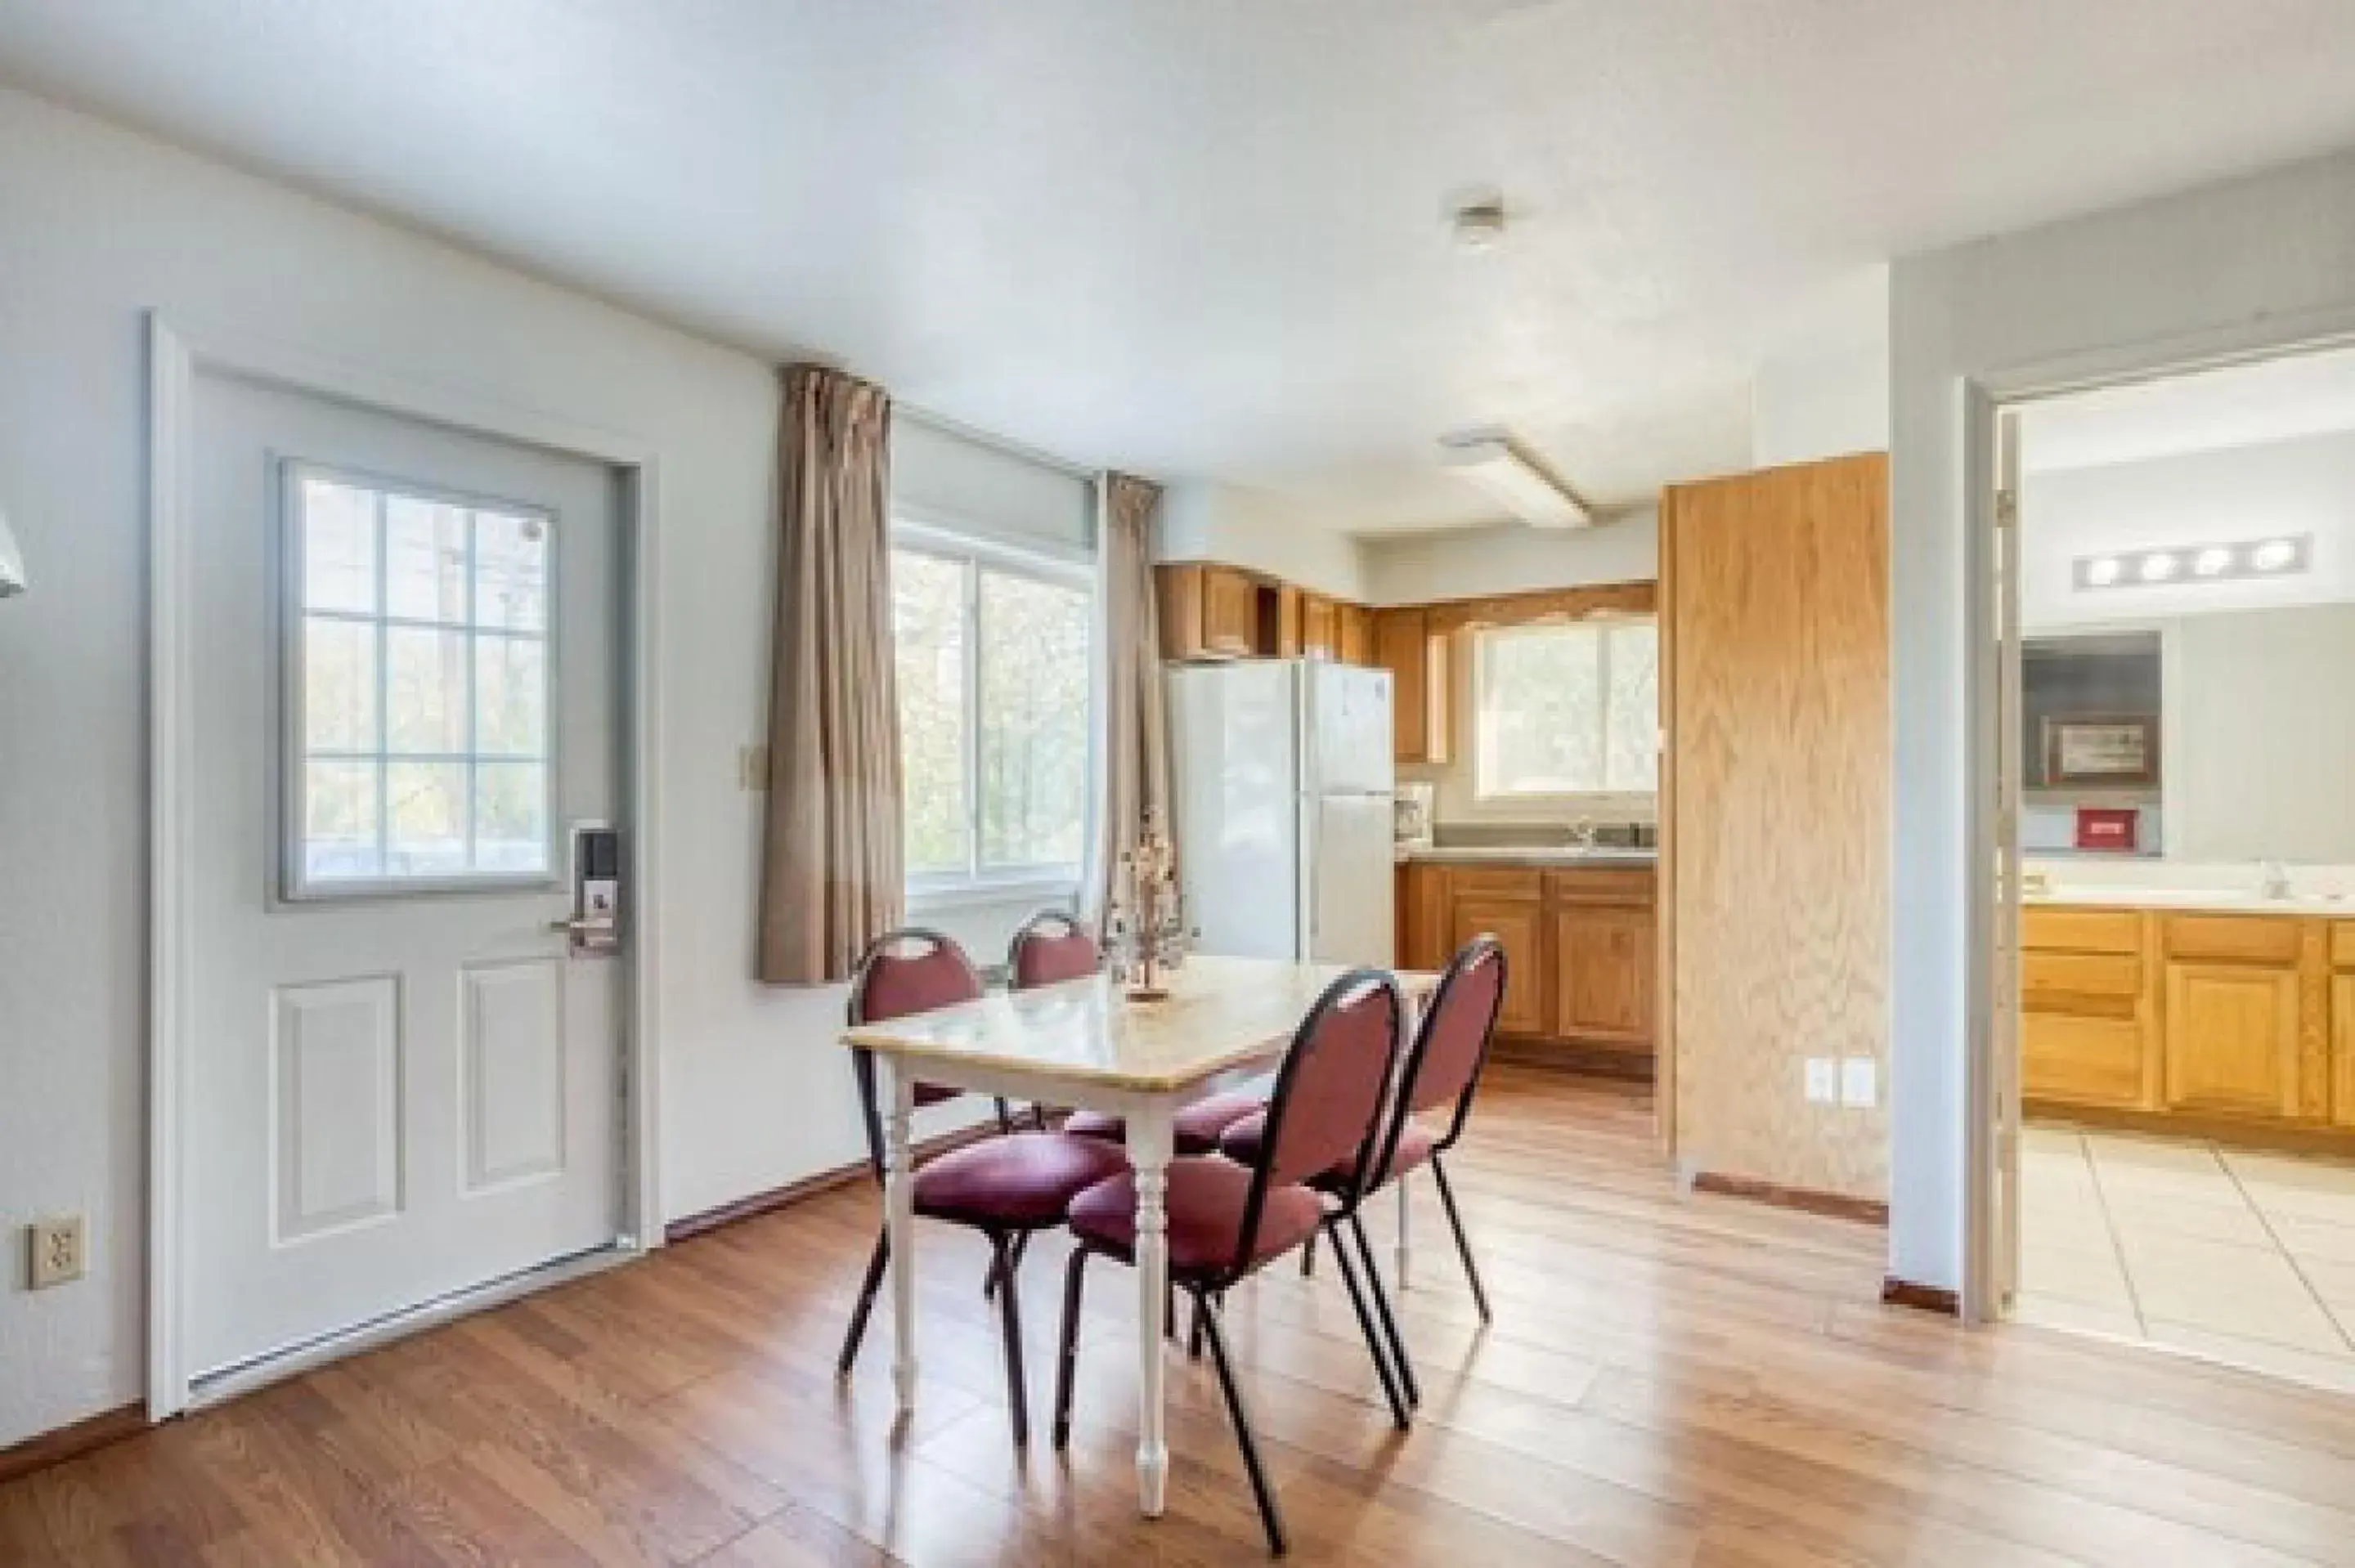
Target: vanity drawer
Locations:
point(2067, 983)
point(2048, 928)
point(2232, 939)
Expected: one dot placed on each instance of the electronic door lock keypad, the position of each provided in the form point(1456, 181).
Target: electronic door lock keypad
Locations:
point(596, 923)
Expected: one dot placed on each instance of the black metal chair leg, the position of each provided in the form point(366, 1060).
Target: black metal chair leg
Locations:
point(1270, 1519)
point(858, 1314)
point(1074, 1278)
point(1009, 1309)
point(1463, 1242)
point(1383, 1309)
point(1005, 1115)
point(1194, 1339)
point(1308, 1257)
point(1375, 1344)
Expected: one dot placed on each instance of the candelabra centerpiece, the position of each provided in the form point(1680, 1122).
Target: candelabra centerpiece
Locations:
point(1144, 928)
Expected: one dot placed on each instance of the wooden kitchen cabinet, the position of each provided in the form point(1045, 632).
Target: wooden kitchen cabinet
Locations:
point(1208, 612)
point(1319, 627)
point(1415, 653)
point(1580, 946)
point(1353, 634)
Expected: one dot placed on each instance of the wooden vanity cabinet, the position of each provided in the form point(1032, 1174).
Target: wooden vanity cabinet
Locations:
point(2209, 1018)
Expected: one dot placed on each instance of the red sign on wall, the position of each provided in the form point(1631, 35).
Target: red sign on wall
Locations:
point(2109, 828)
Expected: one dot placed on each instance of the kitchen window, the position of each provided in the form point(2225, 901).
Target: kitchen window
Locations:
point(1567, 711)
point(994, 653)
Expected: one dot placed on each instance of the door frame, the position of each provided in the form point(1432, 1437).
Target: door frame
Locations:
point(178, 351)
point(1991, 1002)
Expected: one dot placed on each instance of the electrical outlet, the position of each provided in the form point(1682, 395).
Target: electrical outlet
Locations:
point(57, 1251)
point(1858, 1081)
point(1823, 1086)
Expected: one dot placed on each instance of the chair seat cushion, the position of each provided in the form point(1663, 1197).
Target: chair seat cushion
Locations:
point(1206, 1198)
point(1197, 1129)
point(1242, 1143)
point(1015, 1181)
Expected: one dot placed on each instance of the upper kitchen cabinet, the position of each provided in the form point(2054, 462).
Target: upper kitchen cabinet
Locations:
point(1353, 634)
point(1406, 644)
point(1207, 612)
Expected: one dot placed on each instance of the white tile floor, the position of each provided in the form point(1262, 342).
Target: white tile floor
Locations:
point(2243, 1256)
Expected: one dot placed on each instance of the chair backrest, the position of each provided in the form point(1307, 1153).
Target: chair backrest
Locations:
point(1050, 948)
point(1443, 1066)
point(1326, 1106)
point(904, 971)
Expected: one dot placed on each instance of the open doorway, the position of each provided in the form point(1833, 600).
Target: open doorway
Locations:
point(2175, 942)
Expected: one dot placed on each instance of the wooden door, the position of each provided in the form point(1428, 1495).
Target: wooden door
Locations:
point(1397, 648)
point(1518, 925)
point(1424, 925)
point(2342, 1049)
point(1775, 817)
point(2233, 1038)
point(1603, 961)
point(1230, 612)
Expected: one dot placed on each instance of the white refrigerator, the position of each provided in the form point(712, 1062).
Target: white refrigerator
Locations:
point(1283, 781)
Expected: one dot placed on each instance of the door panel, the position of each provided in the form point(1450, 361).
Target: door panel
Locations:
point(2232, 1039)
point(1603, 961)
point(1519, 929)
point(395, 1094)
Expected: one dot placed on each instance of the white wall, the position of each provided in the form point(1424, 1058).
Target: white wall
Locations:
point(101, 225)
point(1472, 563)
point(1822, 389)
point(2265, 259)
point(2305, 485)
point(949, 479)
point(1201, 521)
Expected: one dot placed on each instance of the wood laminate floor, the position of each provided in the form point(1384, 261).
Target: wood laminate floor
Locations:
point(1671, 1379)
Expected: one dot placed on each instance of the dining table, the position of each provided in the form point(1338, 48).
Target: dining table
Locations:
point(1086, 1044)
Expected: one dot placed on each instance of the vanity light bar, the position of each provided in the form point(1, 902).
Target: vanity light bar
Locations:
point(2282, 556)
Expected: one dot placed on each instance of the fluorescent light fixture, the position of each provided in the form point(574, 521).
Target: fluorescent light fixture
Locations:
point(1498, 465)
point(12, 563)
point(2279, 556)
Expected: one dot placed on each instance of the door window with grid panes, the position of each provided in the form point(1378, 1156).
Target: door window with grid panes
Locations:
point(419, 712)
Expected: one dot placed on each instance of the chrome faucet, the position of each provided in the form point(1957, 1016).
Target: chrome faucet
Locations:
point(1583, 832)
point(2275, 883)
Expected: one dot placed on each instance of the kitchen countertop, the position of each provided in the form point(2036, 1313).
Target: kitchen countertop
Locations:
point(2198, 900)
point(1529, 854)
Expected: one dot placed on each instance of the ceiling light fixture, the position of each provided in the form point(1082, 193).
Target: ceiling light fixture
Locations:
point(1477, 221)
point(1500, 465)
point(2279, 556)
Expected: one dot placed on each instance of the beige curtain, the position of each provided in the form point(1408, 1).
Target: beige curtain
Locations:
point(831, 877)
point(1135, 723)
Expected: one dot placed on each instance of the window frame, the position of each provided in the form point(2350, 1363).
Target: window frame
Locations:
point(290, 884)
point(1068, 569)
point(1486, 794)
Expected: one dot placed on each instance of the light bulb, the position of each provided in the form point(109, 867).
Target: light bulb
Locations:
point(2102, 573)
point(2274, 556)
point(2158, 566)
point(2214, 561)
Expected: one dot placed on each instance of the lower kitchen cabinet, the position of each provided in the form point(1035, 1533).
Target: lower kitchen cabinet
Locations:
point(2211, 1018)
point(1581, 951)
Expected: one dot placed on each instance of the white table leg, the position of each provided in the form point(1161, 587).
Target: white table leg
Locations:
point(1400, 1185)
point(899, 1226)
point(1149, 1137)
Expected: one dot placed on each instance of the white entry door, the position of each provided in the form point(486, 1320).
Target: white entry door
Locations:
point(401, 1083)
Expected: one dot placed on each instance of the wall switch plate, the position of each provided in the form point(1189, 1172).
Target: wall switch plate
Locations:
point(1858, 1081)
point(56, 1247)
point(1822, 1081)
point(753, 768)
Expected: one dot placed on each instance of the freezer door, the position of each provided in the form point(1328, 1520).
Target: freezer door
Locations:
point(1348, 737)
point(1352, 880)
point(1233, 731)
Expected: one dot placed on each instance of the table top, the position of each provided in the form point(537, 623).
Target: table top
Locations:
point(1219, 1013)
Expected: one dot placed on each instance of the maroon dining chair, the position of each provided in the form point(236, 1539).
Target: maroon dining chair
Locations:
point(1007, 1186)
point(1227, 1220)
point(1441, 1072)
point(1052, 948)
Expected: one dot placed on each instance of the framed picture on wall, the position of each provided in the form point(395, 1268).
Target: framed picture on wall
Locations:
point(2102, 750)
